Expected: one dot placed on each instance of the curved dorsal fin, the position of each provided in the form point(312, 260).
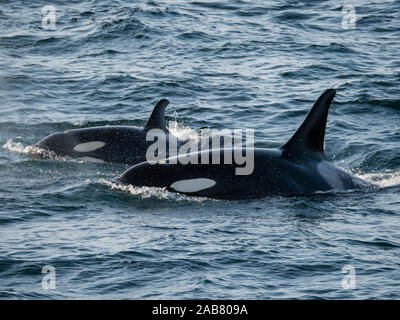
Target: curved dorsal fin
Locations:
point(310, 136)
point(157, 117)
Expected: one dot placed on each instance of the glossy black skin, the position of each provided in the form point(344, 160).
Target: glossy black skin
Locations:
point(299, 167)
point(124, 144)
point(276, 172)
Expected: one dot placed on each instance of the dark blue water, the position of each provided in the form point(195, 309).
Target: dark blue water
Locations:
point(229, 64)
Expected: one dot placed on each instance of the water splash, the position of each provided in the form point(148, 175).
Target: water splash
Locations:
point(38, 153)
point(34, 151)
point(181, 131)
point(382, 180)
point(151, 192)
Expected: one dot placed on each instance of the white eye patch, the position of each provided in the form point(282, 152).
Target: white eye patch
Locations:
point(193, 185)
point(89, 146)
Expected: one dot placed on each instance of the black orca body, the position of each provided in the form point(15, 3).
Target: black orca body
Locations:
point(297, 168)
point(122, 144)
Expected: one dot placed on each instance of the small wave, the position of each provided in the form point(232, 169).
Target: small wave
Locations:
point(384, 103)
point(123, 25)
point(309, 70)
point(253, 11)
point(103, 52)
point(332, 47)
point(195, 35)
point(376, 242)
point(383, 158)
point(293, 15)
point(151, 192)
point(215, 5)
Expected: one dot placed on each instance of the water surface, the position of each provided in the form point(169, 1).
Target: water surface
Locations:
point(223, 65)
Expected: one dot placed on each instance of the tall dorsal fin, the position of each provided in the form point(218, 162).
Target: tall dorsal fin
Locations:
point(310, 136)
point(157, 117)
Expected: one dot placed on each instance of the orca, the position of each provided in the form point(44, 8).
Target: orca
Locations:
point(121, 144)
point(299, 167)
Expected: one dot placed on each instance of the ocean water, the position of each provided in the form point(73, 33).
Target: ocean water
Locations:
point(235, 64)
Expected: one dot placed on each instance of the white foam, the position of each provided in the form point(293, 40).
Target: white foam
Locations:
point(91, 159)
point(382, 180)
point(18, 147)
point(37, 152)
point(180, 131)
point(184, 133)
point(151, 192)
